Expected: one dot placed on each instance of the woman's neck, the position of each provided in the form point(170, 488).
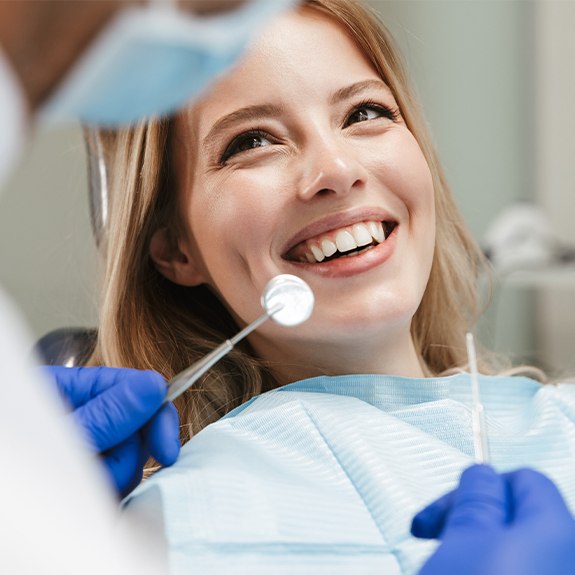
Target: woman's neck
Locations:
point(397, 356)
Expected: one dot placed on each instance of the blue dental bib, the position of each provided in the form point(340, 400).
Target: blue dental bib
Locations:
point(324, 475)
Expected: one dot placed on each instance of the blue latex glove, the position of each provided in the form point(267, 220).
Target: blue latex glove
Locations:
point(119, 411)
point(511, 524)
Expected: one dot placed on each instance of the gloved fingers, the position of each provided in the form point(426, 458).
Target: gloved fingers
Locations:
point(70, 384)
point(78, 385)
point(481, 502)
point(535, 496)
point(121, 409)
point(162, 435)
point(429, 522)
point(125, 464)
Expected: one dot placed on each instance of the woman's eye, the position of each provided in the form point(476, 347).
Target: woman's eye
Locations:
point(245, 142)
point(366, 112)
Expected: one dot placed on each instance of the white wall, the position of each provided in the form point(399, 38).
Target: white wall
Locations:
point(555, 110)
point(48, 261)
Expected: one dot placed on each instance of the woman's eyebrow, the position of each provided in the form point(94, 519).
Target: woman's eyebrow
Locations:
point(259, 111)
point(249, 113)
point(351, 91)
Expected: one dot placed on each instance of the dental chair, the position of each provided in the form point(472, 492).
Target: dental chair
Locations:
point(69, 346)
point(72, 346)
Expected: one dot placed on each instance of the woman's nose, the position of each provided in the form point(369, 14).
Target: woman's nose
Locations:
point(330, 167)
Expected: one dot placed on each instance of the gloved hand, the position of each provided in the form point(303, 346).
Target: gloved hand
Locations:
point(511, 524)
point(119, 411)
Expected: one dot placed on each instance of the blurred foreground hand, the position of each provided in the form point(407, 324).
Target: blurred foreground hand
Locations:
point(510, 524)
point(121, 414)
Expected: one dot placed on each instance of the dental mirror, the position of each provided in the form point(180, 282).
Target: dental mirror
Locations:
point(287, 299)
point(295, 297)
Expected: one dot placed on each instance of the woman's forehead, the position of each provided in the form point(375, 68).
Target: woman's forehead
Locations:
point(302, 53)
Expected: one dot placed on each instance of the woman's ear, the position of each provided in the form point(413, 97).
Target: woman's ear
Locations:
point(174, 264)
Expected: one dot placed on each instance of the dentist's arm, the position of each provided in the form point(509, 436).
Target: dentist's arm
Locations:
point(511, 524)
point(121, 414)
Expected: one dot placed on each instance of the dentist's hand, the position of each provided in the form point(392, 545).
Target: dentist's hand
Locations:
point(511, 524)
point(119, 411)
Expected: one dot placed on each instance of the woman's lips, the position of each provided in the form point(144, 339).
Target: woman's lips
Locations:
point(346, 241)
point(352, 262)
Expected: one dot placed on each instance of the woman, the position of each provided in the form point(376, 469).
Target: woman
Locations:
point(310, 158)
point(150, 322)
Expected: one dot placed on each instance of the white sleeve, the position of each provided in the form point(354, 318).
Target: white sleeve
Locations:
point(57, 512)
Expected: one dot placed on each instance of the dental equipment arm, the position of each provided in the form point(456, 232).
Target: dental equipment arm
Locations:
point(499, 524)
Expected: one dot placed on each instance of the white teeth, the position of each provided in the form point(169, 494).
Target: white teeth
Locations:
point(317, 253)
point(380, 233)
point(328, 248)
point(376, 230)
point(361, 235)
point(345, 241)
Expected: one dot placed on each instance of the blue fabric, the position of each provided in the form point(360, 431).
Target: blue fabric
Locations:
point(324, 475)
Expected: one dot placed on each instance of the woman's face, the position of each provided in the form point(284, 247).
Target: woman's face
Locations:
point(298, 161)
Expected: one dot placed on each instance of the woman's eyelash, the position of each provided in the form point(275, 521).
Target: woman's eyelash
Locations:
point(249, 140)
point(241, 143)
point(386, 112)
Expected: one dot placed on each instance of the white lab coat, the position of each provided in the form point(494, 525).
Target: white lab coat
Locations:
point(57, 512)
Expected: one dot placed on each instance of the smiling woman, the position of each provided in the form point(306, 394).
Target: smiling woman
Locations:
point(294, 160)
point(284, 166)
point(310, 158)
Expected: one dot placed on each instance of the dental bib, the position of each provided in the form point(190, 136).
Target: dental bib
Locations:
point(324, 475)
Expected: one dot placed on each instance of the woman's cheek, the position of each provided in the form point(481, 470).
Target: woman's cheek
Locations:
point(230, 208)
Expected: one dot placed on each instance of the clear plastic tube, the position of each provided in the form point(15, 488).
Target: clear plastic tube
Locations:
point(480, 443)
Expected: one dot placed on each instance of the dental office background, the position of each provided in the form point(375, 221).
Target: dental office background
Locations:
point(498, 89)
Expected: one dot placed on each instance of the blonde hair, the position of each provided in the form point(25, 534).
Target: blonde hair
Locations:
point(148, 322)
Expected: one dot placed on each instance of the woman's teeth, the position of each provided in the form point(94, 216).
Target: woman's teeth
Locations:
point(336, 244)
